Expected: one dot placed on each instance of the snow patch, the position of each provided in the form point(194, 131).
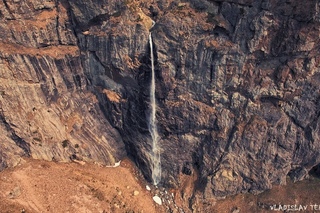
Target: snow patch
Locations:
point(116, 164)
point(157, 199)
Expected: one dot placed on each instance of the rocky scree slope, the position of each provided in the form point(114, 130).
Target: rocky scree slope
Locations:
point(237, 87)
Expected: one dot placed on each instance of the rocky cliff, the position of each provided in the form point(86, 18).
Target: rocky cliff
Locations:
point(237, 86)
point(47, 111)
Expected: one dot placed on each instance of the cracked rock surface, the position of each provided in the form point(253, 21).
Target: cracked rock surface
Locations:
point(237, 87)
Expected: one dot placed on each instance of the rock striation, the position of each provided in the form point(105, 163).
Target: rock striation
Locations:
point(46, 110)
point(237, 86)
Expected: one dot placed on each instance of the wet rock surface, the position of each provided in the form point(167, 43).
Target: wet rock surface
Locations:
point(237, 87)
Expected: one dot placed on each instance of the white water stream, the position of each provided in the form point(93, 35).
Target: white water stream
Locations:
point(155, 155)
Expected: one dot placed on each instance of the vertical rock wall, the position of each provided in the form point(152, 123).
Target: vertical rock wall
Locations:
point(237, 87)
point(46, 110)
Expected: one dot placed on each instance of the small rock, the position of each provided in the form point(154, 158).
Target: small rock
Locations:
point(86, 32)
point(79, 162)
point(236, 210)
point(157, 199)
point(148, 188)
point(135, 193)
point(14, 193)
point(117, 164)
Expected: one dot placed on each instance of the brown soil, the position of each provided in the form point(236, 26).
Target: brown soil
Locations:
point(39, 186)
point(305, 193)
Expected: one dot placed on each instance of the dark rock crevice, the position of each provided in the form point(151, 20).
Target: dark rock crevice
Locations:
point(8, 8)
point(98, 20)
point(72, 19)
point(58, 23)
point(18, 140)
point(315, 171)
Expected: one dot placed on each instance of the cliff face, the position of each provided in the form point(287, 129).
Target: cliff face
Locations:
point(237, 86)
point(47, 112)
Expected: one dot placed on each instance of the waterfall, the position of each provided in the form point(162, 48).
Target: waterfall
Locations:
point(155, 154)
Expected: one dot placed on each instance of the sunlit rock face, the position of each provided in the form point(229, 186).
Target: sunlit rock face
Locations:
point(237, 87)
point(47, 111)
